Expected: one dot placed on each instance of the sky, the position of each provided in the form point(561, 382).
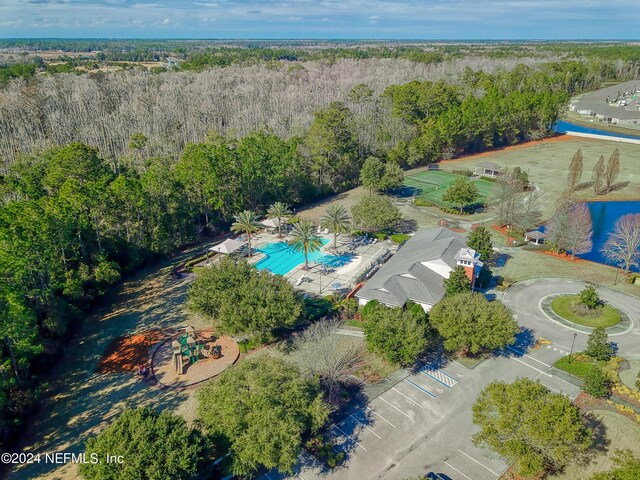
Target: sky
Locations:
point(317, 19)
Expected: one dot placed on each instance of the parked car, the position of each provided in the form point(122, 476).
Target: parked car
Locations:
point(437, 476)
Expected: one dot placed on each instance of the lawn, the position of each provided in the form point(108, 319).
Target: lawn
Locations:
point(621, 433)
point(578, 364)
point(525, 264)
point(567, 306)
point(430, 185)
point(547, 163)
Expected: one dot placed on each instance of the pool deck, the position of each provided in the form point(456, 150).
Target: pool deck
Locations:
point(315, 281)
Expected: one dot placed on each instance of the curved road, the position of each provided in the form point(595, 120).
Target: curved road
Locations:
point(524, 299)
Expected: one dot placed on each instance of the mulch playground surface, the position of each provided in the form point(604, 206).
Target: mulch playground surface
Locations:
point(125, 353)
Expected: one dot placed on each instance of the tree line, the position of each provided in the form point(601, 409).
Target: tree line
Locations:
point(75, 219)
point(409, 121)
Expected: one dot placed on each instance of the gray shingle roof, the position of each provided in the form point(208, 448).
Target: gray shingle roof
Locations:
point(404, 277)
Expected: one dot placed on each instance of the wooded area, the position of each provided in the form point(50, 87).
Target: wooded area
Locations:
point(103, 173)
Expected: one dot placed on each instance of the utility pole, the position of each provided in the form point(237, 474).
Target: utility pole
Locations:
point(572, 343)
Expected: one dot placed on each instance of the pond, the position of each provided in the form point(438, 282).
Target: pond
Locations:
point(562, 126)
point(604, 216)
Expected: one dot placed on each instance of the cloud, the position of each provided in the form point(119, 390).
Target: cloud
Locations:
point(438, 19)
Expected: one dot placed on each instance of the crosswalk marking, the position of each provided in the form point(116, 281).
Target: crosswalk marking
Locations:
point(441, 377)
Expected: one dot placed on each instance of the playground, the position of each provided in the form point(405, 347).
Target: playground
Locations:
point(192, 356)
point(430, 185)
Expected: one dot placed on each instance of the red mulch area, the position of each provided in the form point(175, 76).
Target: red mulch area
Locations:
point(457, 230)
point(503, 231)
point(562, 256)
point(125, 353)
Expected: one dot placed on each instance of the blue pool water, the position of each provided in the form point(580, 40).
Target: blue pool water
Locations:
point(604, 216)
point(281, 258)
point(561, 126)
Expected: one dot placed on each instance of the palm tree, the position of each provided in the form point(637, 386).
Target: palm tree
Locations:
point(304, 239)
point(337, 220)
point(246, 222)
point(280, 211)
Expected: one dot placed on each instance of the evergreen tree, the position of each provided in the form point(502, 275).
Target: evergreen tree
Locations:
point(457, 282)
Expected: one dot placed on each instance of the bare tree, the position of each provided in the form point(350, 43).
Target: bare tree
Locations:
point(559, 224)
point(580, 230)
point(575, 170)
point(505, 198)
point(623, 245)
point(319, 350)
point(528, 214)
point(598, 176)
point(613, 168)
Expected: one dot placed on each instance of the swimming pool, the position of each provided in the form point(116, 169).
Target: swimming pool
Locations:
point(281, 258)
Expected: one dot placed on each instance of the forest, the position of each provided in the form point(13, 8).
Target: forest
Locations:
point(103, 174)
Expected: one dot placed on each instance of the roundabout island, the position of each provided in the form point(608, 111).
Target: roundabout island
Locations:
point(570, 308)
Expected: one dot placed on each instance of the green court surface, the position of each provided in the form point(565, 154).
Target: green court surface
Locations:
point(430, 185)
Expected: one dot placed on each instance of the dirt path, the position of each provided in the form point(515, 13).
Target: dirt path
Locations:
point(81, 402)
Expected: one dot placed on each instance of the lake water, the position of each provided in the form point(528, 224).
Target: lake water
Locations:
point(604, 216)
point(562, 126)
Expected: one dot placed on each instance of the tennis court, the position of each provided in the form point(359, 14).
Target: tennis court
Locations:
point(430, 185)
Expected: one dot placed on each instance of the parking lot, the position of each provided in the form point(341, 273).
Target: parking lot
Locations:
point(423, 423)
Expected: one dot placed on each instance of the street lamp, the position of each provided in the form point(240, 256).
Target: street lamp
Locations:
point(575, 334)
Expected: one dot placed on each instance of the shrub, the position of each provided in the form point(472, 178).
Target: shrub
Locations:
point(596, 383)
point(589, 297)
point(399, 238)
point(598, 345)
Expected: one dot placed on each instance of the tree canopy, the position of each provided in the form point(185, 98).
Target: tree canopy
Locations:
point(238, 298)
point(480, 240)
point(457, 282)
point(400, 335)
point(154, 446)
point(529, 425)
point(262, 408)
point(375, 213)
point(468, 322)
point(462, 192)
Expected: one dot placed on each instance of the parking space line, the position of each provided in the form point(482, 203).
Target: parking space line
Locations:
point(482, 465)
point(349, 437)
point(536, 369)
point(392, 405)
point(514, 350)
point(266, 475)
point(420, 388)
point(365, 426)
point(376, 413)
point(451, 466)
point(410, 399)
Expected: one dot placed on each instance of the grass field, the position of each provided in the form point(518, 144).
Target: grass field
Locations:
point(430, 185)
point(547, 163)
point(565, 306)
point(621, 433)
point(578, 364)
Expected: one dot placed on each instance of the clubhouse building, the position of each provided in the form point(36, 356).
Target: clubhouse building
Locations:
point(418, 270)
